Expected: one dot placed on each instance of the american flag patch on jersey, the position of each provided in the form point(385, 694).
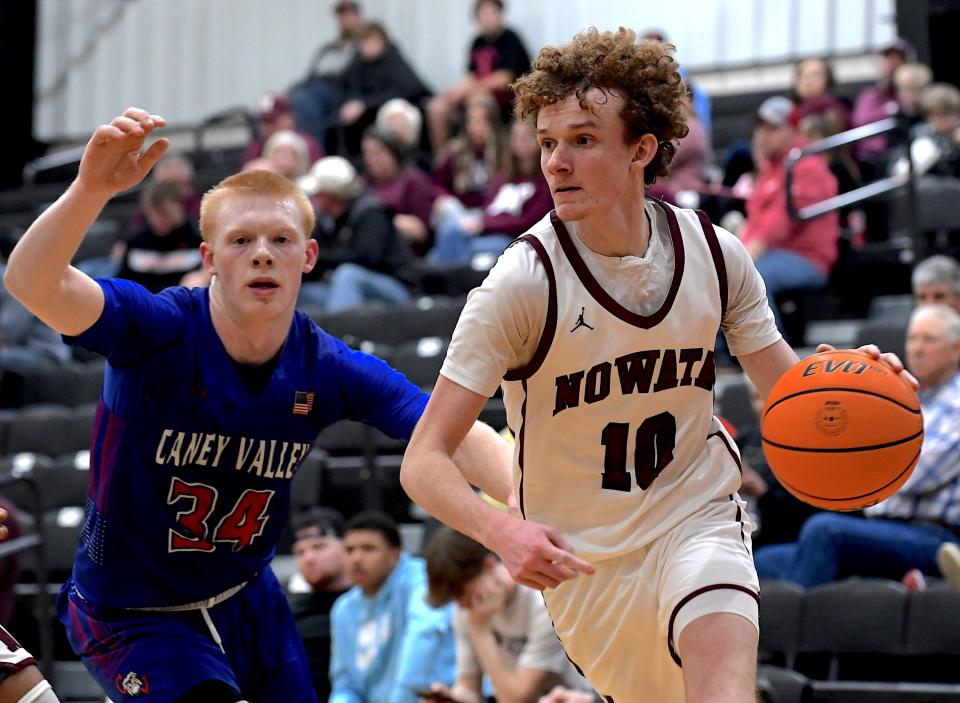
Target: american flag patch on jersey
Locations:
point(302, 402)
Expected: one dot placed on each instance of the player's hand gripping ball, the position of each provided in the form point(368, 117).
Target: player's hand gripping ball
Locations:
point(841, 430)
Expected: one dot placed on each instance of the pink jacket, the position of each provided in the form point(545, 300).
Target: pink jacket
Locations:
point(768, 220)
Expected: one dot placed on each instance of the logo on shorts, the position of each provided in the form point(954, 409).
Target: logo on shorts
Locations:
point(132, 684)
point(832, 418)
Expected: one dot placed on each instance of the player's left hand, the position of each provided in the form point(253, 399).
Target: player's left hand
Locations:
point(890, 359)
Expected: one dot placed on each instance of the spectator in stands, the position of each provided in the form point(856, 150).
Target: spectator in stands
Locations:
point(820, 124)
point(405, 122)
point(778, 514)
point(813, 81)
point(789, 254)
point(937, 280)
point(503, 630)
point(361, 255)
point(700, 100)
point(322, 566)
point(688, 167)
point(497, 58)
point(166, 247)
point(316, 97)
point(940, 103)
point(514, 203)
point(276, 114)
point(26, 344)
point(387, 641)
point(910, 80)
point(400, 185)
point(378, 73)
point(879, 101)
point(177, 168)
point(905, 531)
point(471, 161)
point(287, 153)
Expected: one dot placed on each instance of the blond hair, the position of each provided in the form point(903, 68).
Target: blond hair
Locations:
point(253, 184)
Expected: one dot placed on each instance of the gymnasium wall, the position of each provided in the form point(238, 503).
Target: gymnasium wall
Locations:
point(190, 58)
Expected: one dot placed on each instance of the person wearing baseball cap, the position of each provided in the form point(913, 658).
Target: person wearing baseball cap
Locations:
point(789, 254)
point(321, 578)
point(274, 114)
point(362, 257)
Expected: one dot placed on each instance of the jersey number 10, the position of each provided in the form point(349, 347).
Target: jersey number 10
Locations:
point(653, 450)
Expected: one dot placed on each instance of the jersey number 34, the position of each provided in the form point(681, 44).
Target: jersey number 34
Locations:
point(243, 523)
point(653, 450)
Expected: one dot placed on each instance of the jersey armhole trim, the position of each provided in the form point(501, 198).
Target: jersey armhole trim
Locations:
point(718, 262)
point(549, 325)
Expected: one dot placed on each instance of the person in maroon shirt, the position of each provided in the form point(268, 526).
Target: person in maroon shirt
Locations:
point(789, 254)
point(402, 187)
point(514, 203)
point(469, 163)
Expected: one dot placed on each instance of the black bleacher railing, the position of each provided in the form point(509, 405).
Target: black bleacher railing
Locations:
point(889, 126)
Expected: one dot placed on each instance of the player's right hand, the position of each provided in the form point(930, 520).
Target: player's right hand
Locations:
point(536, 555)
point(112, 160)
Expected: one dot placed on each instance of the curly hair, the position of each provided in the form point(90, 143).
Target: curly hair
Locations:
point(644, 74)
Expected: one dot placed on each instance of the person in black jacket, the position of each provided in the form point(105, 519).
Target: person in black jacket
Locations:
point(362, 257)
point(321, 578)
point(377, 73)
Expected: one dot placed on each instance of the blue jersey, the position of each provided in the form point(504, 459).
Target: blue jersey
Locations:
point(191, 469)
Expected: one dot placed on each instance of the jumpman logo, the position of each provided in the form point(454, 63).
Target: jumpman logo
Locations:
point(581, 322)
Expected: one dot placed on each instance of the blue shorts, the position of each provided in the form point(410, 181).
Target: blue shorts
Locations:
point(165, 654)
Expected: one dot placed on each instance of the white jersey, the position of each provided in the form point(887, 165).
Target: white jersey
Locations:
point(616, 438)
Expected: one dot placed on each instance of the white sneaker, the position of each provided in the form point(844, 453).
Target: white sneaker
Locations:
point(948, 559)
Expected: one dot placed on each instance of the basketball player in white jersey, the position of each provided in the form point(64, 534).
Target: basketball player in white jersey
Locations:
point(20, 679)
point(600, 324)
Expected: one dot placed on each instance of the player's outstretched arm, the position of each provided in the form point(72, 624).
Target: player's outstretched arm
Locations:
point(38, 273)
point(536, 555)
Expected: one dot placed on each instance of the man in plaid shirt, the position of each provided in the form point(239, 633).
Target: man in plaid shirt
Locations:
point(905, 531)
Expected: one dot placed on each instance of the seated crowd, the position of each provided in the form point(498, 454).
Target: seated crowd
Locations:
point(406, 183)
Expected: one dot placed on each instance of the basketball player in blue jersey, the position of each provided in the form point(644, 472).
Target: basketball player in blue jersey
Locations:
point(211, 400)
point(600, 324)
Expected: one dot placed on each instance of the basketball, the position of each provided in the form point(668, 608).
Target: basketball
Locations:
point(842, 431)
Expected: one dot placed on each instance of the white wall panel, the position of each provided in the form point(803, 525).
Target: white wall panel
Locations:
point(190, 58)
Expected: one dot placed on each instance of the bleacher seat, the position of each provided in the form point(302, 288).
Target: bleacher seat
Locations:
point(308, 481)
point(420, 361)
point(891, 308)
point(853, 627)
point(427, 317)
point(72, 384)
point(781, 685)
point(28, 465)
point(61, 531)
point(356, 438)
point(933, 634)
point(733, 403)
point(780, 604)
point(44, 429)
point(889, 335)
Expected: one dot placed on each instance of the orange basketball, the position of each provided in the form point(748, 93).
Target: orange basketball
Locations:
point(842, 431)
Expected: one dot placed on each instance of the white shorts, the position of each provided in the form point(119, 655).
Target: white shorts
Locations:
point(621, 625)
point(13, 657)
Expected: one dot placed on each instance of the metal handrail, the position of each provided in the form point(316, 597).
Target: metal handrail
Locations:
point(857, 195)
point(37, 543)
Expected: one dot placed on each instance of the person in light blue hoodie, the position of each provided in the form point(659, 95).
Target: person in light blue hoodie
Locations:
point(387, 641)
